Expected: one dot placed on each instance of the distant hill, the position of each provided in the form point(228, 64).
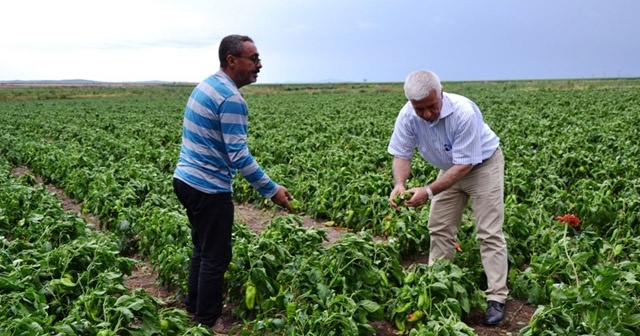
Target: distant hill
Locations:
point(80, 82)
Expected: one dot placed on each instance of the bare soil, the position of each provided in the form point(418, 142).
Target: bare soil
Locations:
point(518, 313)
point(258, 219)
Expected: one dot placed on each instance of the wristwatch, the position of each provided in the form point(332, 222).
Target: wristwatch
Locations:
point(429, 192)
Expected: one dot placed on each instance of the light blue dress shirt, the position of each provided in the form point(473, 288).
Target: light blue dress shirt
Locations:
point(458, 136)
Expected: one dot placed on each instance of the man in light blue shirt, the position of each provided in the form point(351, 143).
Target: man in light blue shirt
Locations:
point(214, 148)
point(448, 131)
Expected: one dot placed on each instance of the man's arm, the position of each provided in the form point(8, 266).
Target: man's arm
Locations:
point(445, 181)
point(233, 123)
point(450, 177)
point(401, 168)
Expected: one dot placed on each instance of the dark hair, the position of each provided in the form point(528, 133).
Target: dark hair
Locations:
point(231, 45)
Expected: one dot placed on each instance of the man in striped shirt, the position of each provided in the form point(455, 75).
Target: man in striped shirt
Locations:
point(449, 132)
point(214, 148)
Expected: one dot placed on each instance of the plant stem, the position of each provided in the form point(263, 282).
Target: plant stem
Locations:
point(566, 251)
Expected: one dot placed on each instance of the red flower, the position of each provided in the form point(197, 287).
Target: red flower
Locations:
point(570, 219)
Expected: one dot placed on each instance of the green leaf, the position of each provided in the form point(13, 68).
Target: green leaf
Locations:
point(125, 311)
point(364, 199)
point(440, 288)
point(124, 225)
point(558, 296)
point(136, 305)
point(369, 305)
point(632, 320)
point(121, 300)
point(323, 291)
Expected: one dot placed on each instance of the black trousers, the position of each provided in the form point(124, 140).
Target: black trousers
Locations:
point(211, 219)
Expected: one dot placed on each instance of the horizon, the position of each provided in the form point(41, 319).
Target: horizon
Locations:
point(79, 81)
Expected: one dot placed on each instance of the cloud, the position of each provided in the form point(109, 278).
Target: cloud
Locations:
point(177, 40)
point(103, 25)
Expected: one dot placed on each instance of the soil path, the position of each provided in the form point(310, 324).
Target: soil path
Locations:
point(258, 219)
point(143, 276)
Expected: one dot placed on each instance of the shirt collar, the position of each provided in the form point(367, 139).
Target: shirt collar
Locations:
point(223, 75)
point(447, 109)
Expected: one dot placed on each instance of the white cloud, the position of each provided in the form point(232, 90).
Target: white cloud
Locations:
point(157, 63)
point(116, 23)
point(124, 40)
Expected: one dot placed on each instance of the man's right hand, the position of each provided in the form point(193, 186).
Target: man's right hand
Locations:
point(282, 198)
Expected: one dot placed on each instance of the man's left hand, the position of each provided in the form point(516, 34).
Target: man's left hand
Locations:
point(282, 198)
point(419, 198)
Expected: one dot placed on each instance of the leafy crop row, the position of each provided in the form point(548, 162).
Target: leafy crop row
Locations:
point(59, 276)
point(569, 149)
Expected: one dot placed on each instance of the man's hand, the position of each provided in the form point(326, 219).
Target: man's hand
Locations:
point(398, 191)
point(419, 198)
point(282, 198)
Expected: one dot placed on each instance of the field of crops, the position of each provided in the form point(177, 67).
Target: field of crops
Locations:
point(571, 148)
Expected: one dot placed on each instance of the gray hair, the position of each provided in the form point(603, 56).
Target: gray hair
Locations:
point(231, 45)
point(419, 84)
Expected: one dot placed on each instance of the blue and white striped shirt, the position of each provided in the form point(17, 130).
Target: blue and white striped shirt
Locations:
point(458, 136)
point(214, 140)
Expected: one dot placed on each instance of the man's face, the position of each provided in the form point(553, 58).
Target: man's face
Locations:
point(429, 108)
point(248, 65)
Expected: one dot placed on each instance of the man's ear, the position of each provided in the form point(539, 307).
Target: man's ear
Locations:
point(231, 61)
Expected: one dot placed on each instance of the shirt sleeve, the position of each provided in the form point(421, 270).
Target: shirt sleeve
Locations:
point(234, 121)
point(403, 140)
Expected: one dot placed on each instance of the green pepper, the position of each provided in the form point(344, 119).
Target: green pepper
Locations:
point(403, 308)
point(383, 278)
point(408, 279)
point(422, 299)
point(233, 266)
point(295, 205)
point(250, 295)
point(349, 217)
point(164, 324)
point(415, 316)
point(397, 199)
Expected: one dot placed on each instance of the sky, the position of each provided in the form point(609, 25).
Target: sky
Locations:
point(309, 41)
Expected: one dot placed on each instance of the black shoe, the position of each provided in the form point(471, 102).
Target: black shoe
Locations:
point(495, 313)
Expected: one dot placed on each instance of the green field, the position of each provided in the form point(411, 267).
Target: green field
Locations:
point(571, 147)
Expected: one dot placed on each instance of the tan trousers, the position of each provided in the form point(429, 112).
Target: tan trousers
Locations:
point(483, 187)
